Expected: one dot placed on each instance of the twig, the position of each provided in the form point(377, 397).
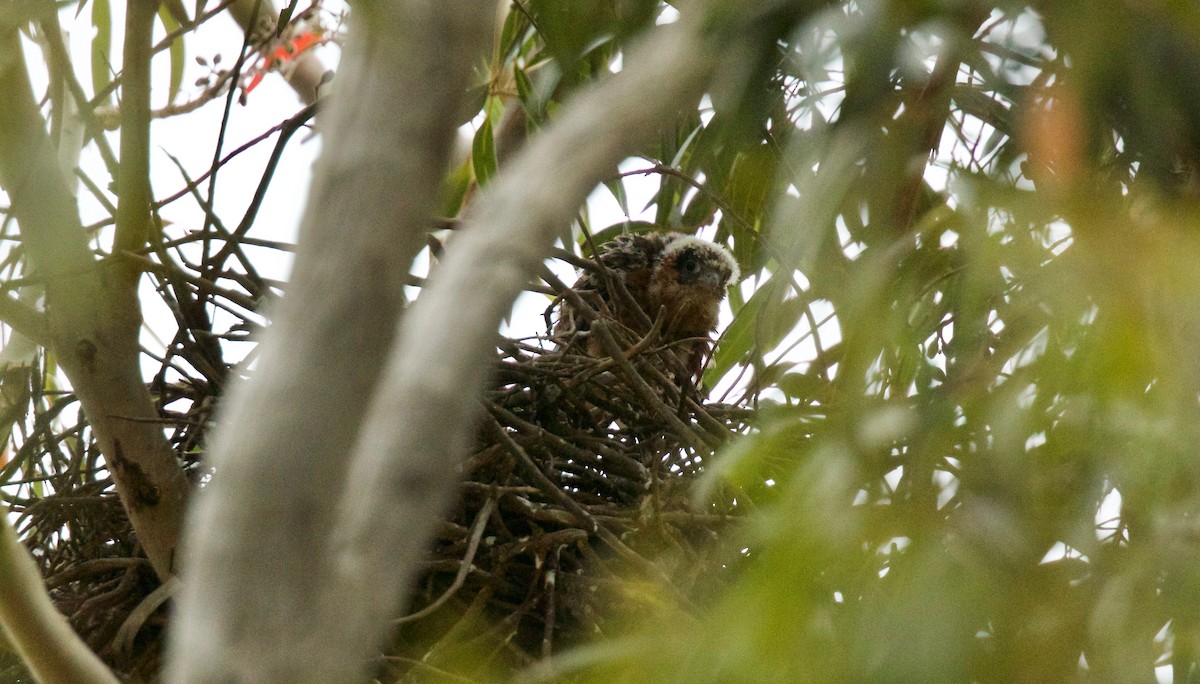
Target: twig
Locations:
point(534, 473)
point(481, 520)
point(123, 642)
point(647, 395)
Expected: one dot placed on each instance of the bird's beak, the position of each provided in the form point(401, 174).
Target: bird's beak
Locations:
point(711, 279)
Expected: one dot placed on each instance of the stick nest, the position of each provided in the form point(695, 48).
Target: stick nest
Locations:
point(579, 478)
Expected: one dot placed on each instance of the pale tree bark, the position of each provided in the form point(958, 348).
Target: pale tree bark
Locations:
point(92, 317)
point(295, 566)
point(422, 419)
point(257, 558)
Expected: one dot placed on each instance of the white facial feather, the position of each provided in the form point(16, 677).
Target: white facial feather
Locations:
point(676, 242)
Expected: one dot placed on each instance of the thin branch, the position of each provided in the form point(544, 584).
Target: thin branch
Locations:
point(133, 183)
point(286, 131)
point(481, 521)
point(243, 55)
point(534, 474)
point(24, 320)
point(229, 157)
point(664, 412)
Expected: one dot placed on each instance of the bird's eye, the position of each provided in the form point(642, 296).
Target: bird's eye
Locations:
point(691, 267)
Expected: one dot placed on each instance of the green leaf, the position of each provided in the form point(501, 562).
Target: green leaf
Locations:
point(738, 339)
point(483, 153)
point(974, 101)
point(617, 187)
point(534, 110)
point(750, 181)
point(670, 191)
point(454, 187)
point(769, 376)
point(512, 35)
point(176, 50)
point(758, 327)
point(700, 209)
point(749, 462)
point(285, 15)
point(805, 386)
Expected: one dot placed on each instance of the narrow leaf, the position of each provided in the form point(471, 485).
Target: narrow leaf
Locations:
point(178, 57)
point(483, 153)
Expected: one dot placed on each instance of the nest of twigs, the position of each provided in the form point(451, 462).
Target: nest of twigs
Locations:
point(81, 538)
point(580, 479)
point(580, 476)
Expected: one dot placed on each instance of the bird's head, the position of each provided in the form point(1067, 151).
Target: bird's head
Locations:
point(692, 262)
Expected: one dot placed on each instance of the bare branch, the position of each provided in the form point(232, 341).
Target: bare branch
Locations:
point(389, 129)
point(133, 181)
point(92, 319)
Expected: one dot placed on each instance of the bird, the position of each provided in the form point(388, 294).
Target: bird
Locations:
point(681, 276)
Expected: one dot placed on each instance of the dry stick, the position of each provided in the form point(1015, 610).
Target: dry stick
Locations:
point(179, 194)
point(546, 485)
point(644, 391)
point(123, 641)
point(286, 131)
point(481, 519)
point(646, 566)
point(591, 314)
point(221, 233)
point(715, 427)
point(531, 471)
point(649, 338)
point(89, 567)
point(525, 427)
point(203, 285)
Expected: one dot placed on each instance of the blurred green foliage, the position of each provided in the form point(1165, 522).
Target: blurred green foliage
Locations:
point(971, 306)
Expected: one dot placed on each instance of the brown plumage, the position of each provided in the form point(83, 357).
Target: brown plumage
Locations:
point(682, 276)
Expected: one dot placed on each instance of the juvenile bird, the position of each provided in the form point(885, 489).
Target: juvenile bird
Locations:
point(682, 276)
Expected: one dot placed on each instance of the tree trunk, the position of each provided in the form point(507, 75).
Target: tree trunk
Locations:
point(92, 320)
